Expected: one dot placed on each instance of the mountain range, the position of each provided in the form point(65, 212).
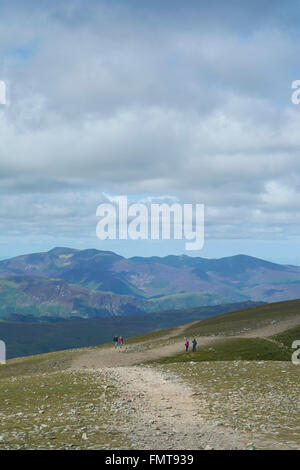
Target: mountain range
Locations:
point(66, 283)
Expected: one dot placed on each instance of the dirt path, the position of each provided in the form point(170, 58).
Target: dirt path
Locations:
point(163, 413)
point(274, 328)
point(132, 355)
point(165, 346)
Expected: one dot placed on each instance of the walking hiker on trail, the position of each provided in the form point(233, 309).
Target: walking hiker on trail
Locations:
point(187, 345)
point(116, 341)
point(121, 340)
point(194, 342)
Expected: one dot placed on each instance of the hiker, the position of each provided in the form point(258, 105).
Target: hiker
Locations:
point(116, 341)
point(121, 341)
point(187, 345)
point(194, 342)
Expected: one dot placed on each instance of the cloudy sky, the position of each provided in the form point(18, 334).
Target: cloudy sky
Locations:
point(184, 100)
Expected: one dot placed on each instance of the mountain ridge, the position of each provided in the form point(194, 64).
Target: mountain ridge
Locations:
point(101, 283)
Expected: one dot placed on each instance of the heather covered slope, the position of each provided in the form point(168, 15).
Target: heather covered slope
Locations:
point(29, 298)
point(32, 298)
point(176, 281)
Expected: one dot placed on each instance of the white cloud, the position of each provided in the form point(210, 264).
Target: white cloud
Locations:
point(104, 100)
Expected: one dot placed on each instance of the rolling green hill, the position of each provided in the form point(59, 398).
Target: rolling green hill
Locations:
point(27, 338)
point(247, 319)
point(235, 338)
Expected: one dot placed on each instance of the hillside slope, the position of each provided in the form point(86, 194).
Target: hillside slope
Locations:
point(101, 398)
point(27, 338)
point(257, 323)
point(30, 298)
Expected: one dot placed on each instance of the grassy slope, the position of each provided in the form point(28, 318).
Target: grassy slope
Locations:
point(45, 406)
point(186, 300)
point(275, 348)
point(236, 349)
point(247, 319)
point(287, 337)
point(248, 384)
point(33, 338)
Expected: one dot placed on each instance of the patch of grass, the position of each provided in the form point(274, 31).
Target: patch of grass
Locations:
point(287, 337)
point(233, 349)
point(153, 336)
point(45, 405)
point(39, 363)
point(59, 410)
point(244, 320)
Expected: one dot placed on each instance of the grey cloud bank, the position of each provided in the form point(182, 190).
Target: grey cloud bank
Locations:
point(192, 101)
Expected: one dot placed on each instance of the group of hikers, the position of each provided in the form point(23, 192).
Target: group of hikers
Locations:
point(187, 345)
point(118, 340)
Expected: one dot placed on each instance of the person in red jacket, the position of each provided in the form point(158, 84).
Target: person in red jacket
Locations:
point(187, 345)
point(121, 340)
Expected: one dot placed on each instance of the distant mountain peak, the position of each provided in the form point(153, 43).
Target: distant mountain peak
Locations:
point(61, 250)
point(162, 282)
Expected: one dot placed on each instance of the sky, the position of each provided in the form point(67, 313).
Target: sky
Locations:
point(183, 100)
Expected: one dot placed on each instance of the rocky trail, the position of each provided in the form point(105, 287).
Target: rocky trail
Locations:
point(162, 412)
